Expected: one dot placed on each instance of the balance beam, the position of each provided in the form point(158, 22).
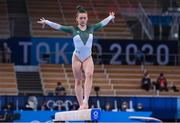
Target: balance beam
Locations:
point(78, 115)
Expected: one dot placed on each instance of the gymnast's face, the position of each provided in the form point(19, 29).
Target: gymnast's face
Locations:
point(82, 19)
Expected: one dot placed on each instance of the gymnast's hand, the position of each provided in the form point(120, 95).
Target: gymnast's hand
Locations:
point(112, 14)
point(42, 21)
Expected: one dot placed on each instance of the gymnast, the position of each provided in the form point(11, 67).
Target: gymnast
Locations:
point(81, 59)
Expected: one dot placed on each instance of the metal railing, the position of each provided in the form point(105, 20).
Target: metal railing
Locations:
point(140, 13)
point(175, 26)
point(147, 26)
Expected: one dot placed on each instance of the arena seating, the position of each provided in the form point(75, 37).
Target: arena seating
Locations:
point(47, 9)
point(125, 79)
point(98, 80)
point(51, 74)
point(113, 80)
point(170, 72)
point(8, 84)
point(149, 6)
point(119, 29)
point(64, 12)
point(4, 23)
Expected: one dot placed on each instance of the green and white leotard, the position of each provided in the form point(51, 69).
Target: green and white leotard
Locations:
point(82, 39)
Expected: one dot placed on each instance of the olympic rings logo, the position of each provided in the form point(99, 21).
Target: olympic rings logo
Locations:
point(51, 104)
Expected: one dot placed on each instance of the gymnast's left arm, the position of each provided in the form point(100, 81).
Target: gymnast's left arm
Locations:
point(104, 22)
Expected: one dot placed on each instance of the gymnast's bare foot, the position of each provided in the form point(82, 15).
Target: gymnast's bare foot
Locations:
point(85, 105)
point(80, 107)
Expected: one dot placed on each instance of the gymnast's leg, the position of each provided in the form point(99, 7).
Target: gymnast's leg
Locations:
point(88, 67)
point(77, 72)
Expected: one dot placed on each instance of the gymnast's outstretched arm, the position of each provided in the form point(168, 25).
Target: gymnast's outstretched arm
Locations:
point(104, 22)
point(67, 29)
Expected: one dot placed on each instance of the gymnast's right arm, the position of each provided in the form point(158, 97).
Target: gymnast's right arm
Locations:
point(67, 29)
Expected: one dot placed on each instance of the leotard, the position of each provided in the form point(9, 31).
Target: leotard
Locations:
point(82, 39)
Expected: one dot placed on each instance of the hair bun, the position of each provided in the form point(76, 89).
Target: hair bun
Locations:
point(80, 9)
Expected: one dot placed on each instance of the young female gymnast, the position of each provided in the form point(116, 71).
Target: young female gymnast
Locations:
point(81, 60)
